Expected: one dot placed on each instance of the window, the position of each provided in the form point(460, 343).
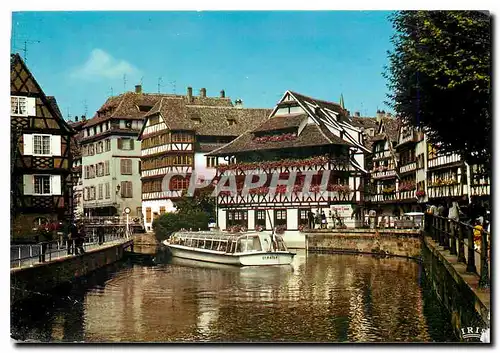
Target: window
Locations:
point(126, 188)
point(260, 218)
point(179, 183)
point(100, 169)
point(148, 214)
point(196, 120)
point(185, 160)
point(84, 151)
point(108, 145)
point(182, 137)
point(280, 217)
point(126, 166)
point(100, 192)
point(108, 191)
point(19, 106)
point(212, 162)
point(162, 209)
point(91, 149)
point(154, 120)
point(106, 167)
point(42, 184)
point(303, 216)
point(100, 147)
point(125, 144)
point(41, 144)
point(231, 122)
point(237, 218)
point(92, 171)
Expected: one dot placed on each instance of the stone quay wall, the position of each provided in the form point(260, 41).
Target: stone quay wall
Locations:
point(44, 277)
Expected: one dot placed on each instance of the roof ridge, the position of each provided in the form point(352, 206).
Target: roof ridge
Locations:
point(315, 99)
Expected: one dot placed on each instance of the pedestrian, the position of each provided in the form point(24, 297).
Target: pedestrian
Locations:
point(478, 230)
point(72, 238)
point(310, 219)
point(317, 218)
point(100, 235)
point(323, 220)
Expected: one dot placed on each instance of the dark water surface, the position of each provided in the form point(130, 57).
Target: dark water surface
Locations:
point(321, 298)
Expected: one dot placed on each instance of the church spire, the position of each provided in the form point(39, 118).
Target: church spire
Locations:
point(342, 101)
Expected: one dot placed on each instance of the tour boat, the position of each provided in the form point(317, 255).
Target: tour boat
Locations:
point(242, 249)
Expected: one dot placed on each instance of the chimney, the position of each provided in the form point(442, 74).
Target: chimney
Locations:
point(76, 118)
point(222, 94)
point(357, 114)
point(203, 92)
point(83, 118)
point(238, 103)
point(138, 88)
point(190, 94)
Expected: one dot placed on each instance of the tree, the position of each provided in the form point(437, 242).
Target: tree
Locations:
point(439, 78)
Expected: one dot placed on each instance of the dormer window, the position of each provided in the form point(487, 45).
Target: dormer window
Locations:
point(231, 122)
point(144, 108)
point(197, 120)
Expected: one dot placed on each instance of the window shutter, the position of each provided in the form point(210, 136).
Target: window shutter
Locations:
point(55, 145)
point(130, 189)
point(28, 184)
point(106, 167)
point(27, 144)
point(122, 188)
point(56, 185)
point(31, 105)
point(120, 144)
point(122, 166)
point(131, 144)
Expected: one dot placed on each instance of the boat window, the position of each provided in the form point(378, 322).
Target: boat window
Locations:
point(256, 244)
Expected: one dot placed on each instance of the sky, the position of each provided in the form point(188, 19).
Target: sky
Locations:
point(82, 58)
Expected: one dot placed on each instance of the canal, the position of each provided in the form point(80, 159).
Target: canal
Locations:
point(321, 298)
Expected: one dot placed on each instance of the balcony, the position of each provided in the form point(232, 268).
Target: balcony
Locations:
point(480, 190)
point(407, 194)
point(383, 197)
point(443, 160)
point(315, 164)
point(156, 149)
point(161, 195)
point(166, 170)
point(153, 128)
point(410, 167)
point(168, 147)
point(283, 199)
point(446, 191)
point(383, 174)
point(382, 155)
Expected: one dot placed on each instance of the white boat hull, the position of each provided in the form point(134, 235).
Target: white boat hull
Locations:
point(258, 258)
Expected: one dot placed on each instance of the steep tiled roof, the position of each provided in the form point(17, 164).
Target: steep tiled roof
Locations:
point(311, 135)
point(77, 138)
point(323, 104)
point(364, 122)
point(126, 105)
point(281, 122)
point(208, 120)
point(391, 127)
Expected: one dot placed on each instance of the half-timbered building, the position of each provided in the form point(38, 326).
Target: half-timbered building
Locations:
point(41, 162)
point(77, 179)
point(177, 133)
point(301, 135)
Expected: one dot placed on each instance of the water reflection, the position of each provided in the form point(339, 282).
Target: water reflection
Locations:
point(320, 298)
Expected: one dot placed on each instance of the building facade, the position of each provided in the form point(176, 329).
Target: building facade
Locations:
point(77, 177)
point(41, 189)
point(111, 155)
point(177, 134)
point(302, 135)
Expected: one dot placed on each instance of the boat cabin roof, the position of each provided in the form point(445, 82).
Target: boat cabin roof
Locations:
point(215, 235)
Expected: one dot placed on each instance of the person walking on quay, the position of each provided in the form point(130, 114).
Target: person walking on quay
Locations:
point(79, 240)
point(310, 219)
point(72, 238)
point(323, 220)
point(100, 235)
point(317, 218)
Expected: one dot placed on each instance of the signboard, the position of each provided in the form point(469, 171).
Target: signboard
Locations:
point(343, 211)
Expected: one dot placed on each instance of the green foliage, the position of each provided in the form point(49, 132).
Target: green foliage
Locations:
point(440, 78)
point(192, 213)
point(168, 223)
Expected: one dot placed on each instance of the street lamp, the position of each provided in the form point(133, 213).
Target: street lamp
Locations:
point(127, 212)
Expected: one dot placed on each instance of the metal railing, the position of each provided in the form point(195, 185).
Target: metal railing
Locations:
point(457, 238)
point(31, 254)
